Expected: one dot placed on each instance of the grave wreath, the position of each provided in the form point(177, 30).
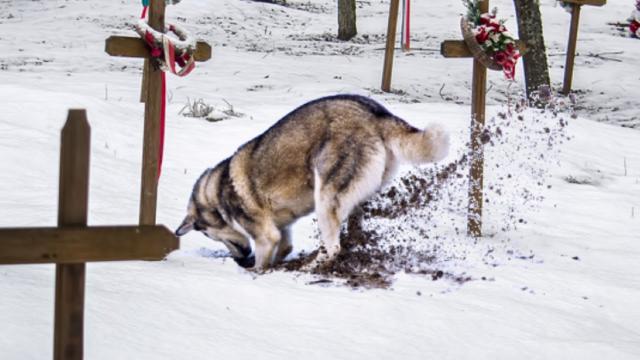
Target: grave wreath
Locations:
point(488, 39)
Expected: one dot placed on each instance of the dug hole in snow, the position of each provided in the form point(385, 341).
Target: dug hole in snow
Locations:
point(556, 275)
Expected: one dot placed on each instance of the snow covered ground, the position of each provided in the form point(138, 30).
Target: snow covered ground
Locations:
point(575, 298)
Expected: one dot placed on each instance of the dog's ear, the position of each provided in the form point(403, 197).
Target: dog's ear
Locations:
point(186, 226)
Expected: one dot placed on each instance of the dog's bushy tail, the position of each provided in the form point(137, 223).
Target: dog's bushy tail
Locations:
point(414, 146)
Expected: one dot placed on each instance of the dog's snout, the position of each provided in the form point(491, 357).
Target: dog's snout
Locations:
point(246, 262)
point(245, 251)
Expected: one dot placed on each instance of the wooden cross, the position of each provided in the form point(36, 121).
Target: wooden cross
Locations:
point(573, 39)
point(72, 243)
point(152, 97)
point(459, 49)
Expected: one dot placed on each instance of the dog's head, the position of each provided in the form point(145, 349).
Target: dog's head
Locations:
point(205, 215)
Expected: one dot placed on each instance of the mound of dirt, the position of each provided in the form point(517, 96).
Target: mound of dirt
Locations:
point(397, 229)
point(367, 259)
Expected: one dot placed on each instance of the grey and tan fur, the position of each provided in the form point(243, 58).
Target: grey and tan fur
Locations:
point(328, 155)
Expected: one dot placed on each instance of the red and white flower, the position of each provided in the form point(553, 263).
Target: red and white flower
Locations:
point(492, 35)
point(634, 20)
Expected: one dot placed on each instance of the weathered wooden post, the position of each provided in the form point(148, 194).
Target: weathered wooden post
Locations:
point(576, 5)
point(152, 113)
point(152, 96)
point(72, 243)
point(73, 198)
point(478, 94)
point(459, 49)
point(391, 42)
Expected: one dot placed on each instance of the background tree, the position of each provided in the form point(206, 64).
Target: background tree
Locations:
point(536, 69)
point(346, 19)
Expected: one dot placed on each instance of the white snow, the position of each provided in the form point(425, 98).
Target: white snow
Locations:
point(577, 298)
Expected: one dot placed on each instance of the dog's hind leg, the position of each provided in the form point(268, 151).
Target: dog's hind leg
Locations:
point(339, 190)
point(329, 224)
point(284, 247)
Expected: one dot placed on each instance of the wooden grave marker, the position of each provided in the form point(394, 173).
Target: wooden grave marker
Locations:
point(152, 97)
point(459, 49)
point(72, 243)
point(573, 39)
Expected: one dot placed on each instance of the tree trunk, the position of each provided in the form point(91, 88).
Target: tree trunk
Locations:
point(346, 19)
point(536, 70)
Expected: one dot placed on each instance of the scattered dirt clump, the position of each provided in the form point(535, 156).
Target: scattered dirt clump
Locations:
point(416, 225)
point(367, 259)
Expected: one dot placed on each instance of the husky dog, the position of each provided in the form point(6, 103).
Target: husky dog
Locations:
point(328, 155)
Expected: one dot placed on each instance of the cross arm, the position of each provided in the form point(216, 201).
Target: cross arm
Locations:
point(459, 49)
point(85, 244)
point(127, 46)
point(587, 2)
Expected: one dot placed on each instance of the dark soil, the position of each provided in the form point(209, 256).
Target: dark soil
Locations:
point(395, 231)
point(368, 259)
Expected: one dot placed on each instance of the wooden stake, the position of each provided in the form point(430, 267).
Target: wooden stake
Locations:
point(144, 92)
point(573, 39)
point(571, 49)
point(476, 168)
point(458, 49)
point(391, 41)
point(72, 211)
point(151, 146)
point(476, 157)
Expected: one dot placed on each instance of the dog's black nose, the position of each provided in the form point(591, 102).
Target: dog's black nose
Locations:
point(245, 251)
point(246, 262)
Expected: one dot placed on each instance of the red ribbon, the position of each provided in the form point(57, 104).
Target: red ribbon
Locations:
point(168, 53)
point(407, 41)
point(634, 26)
point(508, 59)
point(182, 60)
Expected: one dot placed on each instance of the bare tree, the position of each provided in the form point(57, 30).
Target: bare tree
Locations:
point(346, 19)
point(536, 70)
